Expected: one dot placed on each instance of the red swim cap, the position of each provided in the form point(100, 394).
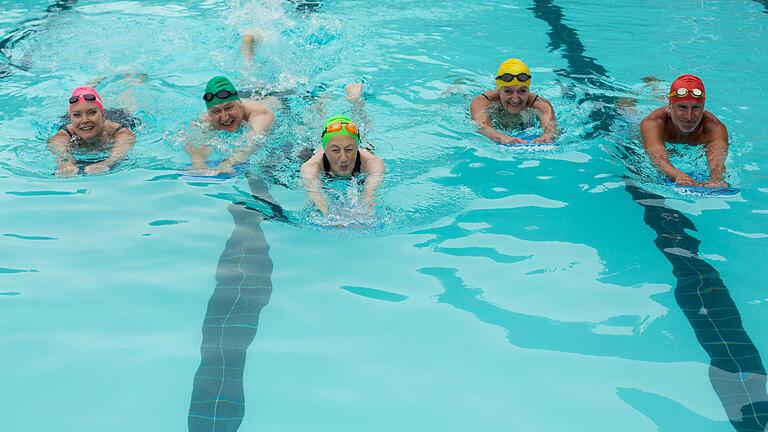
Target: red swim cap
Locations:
point(80, 91)
point(693, 89)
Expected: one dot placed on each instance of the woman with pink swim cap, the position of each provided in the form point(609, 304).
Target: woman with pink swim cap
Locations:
point(89, 132)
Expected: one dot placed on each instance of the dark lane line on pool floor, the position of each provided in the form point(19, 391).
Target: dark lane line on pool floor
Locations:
point(764, 3)
point(26, 29)
point(736, 369)
point(243, 288)
point(739, 382)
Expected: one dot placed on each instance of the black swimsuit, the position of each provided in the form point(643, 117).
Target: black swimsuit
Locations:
point(327, 165)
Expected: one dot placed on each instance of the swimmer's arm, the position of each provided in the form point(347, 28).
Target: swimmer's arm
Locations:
point(375, 169)
point(61, 147)
point(653, 142)
point(195, 147)
point(477, 110)
point(124, 140)
point(355, 98)
point(260, 120)
point(717, 152)
point(546, 115)
point(310, 177)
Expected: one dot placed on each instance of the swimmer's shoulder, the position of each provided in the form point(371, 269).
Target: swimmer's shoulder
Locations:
point(713, 127)
point(539, 103)
point(657, 116)
point(491, 96)
point(314, 164)
point(255, 107)
point(370, 162)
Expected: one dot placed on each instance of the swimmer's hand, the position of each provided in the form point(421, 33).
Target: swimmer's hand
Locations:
point(97, 168)
point(67, 169)
point(354, 92)
point(225, 167)
point(683, 179)
point(715, 184)
point(202, 172)
point(543, 139)
point(508, 140)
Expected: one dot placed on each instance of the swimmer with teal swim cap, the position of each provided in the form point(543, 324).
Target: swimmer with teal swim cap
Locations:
point(340, 156)
point(227, 111)
point(512, 100)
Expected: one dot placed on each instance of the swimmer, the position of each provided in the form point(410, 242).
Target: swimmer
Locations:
point(685, 121)
point(513, 102)
point(341, 157)
point(227, 112)
point(89, 131)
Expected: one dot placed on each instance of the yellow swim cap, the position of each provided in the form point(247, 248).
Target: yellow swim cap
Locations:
point(518, 74)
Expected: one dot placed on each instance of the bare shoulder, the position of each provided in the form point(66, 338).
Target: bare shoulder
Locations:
point(257, 108)
point(656, 117)
point(313, 164)
point(61, 133)
point(713, 127)
point(370, 162)
point(711, 121)
point(490, 95)
point(541, 103)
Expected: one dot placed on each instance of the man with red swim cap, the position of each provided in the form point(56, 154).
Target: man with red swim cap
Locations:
point(685, 121)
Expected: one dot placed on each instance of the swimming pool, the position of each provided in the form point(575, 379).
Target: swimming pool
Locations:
point(505, 290)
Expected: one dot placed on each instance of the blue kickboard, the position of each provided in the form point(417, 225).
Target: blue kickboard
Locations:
point(702, 190)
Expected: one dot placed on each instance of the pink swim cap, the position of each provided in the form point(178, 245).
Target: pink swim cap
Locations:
point(77, 97)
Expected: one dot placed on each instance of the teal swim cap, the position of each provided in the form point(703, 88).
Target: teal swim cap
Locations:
point(339, 125)
point(219, 90)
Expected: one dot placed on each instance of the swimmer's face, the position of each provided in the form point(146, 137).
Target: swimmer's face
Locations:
point(87, 120)
point(341, 151)
point(513, 98)
point(227, 116)
point(686, 115)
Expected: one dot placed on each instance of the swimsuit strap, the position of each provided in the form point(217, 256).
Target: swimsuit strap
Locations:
point(534, 101)
point(326, 164)
point(66, 129)
point(486, 97)
point(356, 169)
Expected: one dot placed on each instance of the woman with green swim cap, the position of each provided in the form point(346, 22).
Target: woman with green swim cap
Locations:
point(512, 97)
point(228, 112)
point(341, 157)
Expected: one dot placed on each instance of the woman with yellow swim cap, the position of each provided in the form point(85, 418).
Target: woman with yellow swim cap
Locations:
point(512, 97)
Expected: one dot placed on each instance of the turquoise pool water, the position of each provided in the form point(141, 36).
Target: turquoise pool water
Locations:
point(563, 289)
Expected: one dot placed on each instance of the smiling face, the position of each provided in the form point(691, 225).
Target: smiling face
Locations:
point(341, 152)
point(686, 115)
point(87, 120)
point(227, 116)
point(513, 98)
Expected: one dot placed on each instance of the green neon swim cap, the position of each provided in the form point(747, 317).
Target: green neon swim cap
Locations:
point(215, 85)
point(345, 124)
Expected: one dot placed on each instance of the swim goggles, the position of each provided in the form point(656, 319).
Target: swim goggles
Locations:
point(337, 126)
point(682, 92)
point(509, 77)
point(221, 94)
point(87, 96)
